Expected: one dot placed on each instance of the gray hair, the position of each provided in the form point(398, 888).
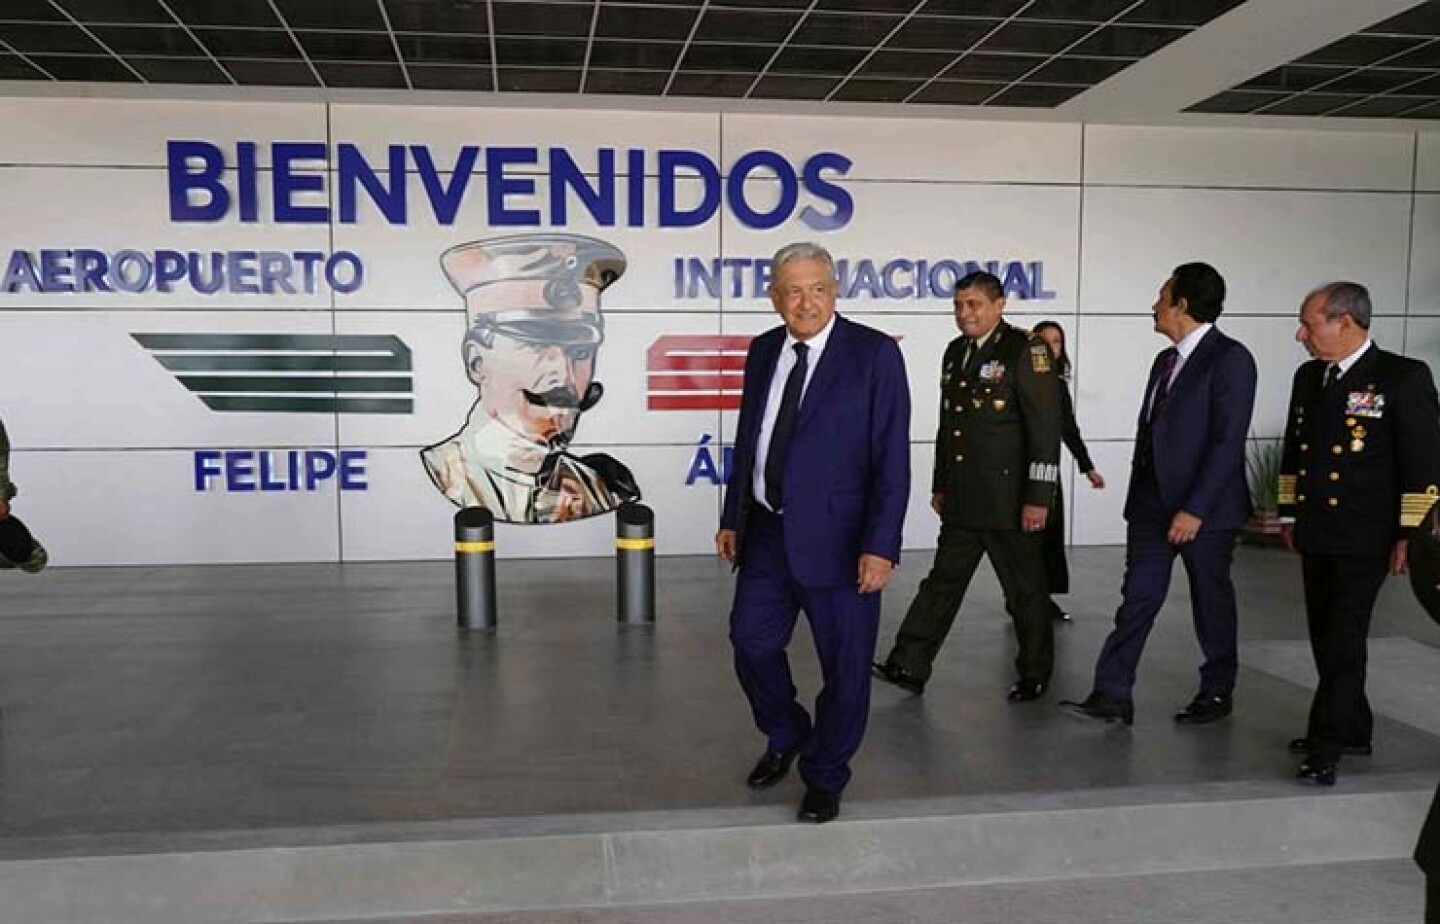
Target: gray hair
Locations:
point(802, 250)
point(1342, 298)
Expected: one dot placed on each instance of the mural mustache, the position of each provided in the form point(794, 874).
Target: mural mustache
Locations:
point(563, 397)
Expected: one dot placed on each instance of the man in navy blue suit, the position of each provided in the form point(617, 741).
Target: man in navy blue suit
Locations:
point(812, 519)
point(1188, 497)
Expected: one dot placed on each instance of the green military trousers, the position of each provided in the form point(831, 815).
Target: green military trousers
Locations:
point(1019, 562)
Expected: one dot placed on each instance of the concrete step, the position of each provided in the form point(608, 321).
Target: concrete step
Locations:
point(621, 862)
point(1376, 892)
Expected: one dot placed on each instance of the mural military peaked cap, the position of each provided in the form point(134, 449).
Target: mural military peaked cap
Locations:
point(539, 288)
point(1423, 551)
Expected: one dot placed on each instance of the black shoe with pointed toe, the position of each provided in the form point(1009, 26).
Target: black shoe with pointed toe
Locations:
point(771, 768)
point(899, 676)
point(1101, 708)
point(1204, 708)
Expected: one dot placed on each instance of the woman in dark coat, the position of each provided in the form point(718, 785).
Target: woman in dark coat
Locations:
point(1056, 569)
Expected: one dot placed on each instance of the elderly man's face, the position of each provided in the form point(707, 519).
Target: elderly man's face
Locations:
point(509, 368)
point(803, 293)
point(1324, 338)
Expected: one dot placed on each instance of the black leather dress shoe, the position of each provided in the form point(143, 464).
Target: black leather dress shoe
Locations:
point(1024, 691)
point(1302, 746)
point(1102, 708)
point(1319, 772)
point(1204, 709)
point(819, 806)
point(771, 768)
point(894, 673)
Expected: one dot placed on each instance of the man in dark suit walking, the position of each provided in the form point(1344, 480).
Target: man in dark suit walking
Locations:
point(812, 518)
point(1188, 497)
point(997, 457)
point(1359, 472)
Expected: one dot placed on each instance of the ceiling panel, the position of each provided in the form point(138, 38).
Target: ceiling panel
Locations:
point(1026, 53)
point(1389, 70)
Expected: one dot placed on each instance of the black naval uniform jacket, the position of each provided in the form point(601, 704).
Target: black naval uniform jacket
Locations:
point(998, 446)
point(1360, 460)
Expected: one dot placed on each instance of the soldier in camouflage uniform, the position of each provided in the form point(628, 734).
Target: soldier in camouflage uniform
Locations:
point(18, 549)
point(997, 458)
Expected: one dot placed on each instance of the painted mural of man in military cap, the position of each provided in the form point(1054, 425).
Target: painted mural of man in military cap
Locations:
point(532, 306)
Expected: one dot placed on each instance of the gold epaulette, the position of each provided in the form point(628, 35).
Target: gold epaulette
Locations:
point(1286, 494)
point(1415, 505)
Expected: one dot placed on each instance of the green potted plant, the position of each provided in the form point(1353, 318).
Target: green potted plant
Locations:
point(1262, 472)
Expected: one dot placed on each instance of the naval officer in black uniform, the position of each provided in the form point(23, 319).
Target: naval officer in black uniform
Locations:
point(997, 457)
point(1359, 471)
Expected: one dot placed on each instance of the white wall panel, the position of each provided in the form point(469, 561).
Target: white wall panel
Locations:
point(1271, 246)
point(1425, 257)
point(1422, 341)
point(1250, 158)
point(952, 150)
point(922, 526)
point(140, 507)
point(1099, 516)
point(78, 380)
point(1427, 162)
point(133, 133)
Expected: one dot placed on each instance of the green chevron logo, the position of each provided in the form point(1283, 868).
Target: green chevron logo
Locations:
point(290, 373)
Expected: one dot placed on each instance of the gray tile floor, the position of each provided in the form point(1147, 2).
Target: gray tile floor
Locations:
point(200, 699)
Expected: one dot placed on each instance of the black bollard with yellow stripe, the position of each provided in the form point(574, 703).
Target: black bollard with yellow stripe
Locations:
point(635, 564)
point(475, 569)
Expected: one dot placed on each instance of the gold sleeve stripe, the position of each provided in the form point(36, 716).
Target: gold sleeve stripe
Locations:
point(1414, 506)
point(634, 543)
point(487, 546)
point(1286, 494)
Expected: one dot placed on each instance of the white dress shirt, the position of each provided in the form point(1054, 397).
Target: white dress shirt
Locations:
point(1351, 360)
point(777, 390)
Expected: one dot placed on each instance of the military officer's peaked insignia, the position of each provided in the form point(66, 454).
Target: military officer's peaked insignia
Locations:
point(1040, 357)
point(1364, 404)
point(993, 371)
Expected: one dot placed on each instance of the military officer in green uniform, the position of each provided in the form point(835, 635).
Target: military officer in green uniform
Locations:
point(1359, 472)
point(997, 458)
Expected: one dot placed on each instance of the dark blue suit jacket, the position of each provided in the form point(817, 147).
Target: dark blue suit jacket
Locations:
point(1199, 435)
point(847, 480)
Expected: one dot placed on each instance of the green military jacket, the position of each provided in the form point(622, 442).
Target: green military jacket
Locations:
point(998, 446)
point(7, 489)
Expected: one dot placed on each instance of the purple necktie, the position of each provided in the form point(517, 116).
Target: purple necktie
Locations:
point(1168, 359)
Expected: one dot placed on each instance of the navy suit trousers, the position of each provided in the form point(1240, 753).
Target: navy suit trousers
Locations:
point(1149, 558)
point(844, 624)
